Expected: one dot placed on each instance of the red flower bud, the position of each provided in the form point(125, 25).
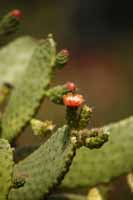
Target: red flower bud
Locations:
point(73, 100)
point(16, 13)
point(71, 86)
point(65, 52)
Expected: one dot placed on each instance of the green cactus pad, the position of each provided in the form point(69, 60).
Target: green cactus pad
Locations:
point(14, 59)
point(45, 167)
point(115, 158)
point(6, 168)
point(29, 90)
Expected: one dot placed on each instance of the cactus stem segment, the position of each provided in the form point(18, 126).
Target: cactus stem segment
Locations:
point(84, 117)
point(56, 93)
point(93, 138)
point(71, 117)
point(42, 128)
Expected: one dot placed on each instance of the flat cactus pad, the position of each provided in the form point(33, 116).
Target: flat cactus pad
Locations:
point(45, 167)
point(114, 159)
point(6, 168)
point(14, 59)
point(29, 90)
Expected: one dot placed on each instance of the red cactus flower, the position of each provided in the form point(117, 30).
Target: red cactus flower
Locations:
point(73, 100)
point(16, 13)
point(71, 86)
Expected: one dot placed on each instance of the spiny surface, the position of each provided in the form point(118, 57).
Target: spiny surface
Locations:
point(29, 90)
point(45, 167)
point(115, 158)
point(14, 59)
point(6, 168)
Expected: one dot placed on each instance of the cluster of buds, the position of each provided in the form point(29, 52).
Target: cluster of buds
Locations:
point(92, 139)
point(67, 95)
point(42, 128)
point(77, 113)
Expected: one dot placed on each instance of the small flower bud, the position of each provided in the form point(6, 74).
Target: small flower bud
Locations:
point(71, 86)
point(65, 52)
point(73, 100)
point(16, 13)
point(62, 58)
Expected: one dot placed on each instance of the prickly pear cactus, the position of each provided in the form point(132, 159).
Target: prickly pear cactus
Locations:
point(29, 90)
point(45, 167)
point(100, 166)
point(26, 69)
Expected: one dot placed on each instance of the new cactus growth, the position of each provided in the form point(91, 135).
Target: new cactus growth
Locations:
point(41, 128)
point(9, 25)
point(43, 168)
point(16, 13)
point(62, 58)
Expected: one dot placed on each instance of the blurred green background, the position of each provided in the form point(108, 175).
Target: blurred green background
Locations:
point(99, 35)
